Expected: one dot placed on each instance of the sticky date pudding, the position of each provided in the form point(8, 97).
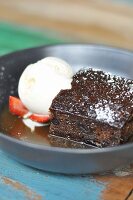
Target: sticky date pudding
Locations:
point(97, 110)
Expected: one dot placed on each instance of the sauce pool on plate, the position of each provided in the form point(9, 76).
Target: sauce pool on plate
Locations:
point(13, 126)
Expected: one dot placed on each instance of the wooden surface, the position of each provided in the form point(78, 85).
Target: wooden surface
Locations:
point(19, 182)
point(95, 21)
point(15, 37)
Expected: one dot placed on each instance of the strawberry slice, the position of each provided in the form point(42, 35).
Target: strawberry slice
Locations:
point(16, 107)
point(39, 118)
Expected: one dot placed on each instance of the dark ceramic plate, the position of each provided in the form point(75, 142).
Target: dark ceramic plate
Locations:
point(55, 159)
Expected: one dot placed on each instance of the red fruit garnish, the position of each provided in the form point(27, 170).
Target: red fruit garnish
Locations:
point(16, 107)
point(40, 118)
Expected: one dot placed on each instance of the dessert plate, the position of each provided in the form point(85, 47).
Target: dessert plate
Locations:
point(56, 159)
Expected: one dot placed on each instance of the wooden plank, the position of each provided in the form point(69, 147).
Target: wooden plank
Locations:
point(15, 37)
point(44, 185)
point(17, 187)
point(117, 188)
point(87, 21)
point(26, 181)
point(130, 197)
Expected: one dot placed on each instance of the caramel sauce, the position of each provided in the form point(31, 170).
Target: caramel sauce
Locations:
point(14, 126)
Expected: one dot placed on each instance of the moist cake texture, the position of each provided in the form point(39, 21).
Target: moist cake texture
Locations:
point(97, 110)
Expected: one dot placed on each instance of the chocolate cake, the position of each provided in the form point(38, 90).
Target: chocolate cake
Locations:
point(97, 110)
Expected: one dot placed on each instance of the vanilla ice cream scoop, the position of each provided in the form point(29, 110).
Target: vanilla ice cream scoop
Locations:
point(42, 81)
point(58, 66)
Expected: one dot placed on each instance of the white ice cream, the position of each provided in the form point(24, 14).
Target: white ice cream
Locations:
point(42, 81)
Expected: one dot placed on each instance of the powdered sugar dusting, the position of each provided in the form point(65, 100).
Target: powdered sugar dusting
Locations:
point(99, 96)
point(104, 113)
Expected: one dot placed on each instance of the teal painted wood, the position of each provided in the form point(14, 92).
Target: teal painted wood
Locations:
point(14, 37)
point(36, 184)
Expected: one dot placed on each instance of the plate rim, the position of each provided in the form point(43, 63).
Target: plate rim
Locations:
point(90, 45)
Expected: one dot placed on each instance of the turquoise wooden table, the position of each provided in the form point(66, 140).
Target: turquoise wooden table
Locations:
point(19, 182)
